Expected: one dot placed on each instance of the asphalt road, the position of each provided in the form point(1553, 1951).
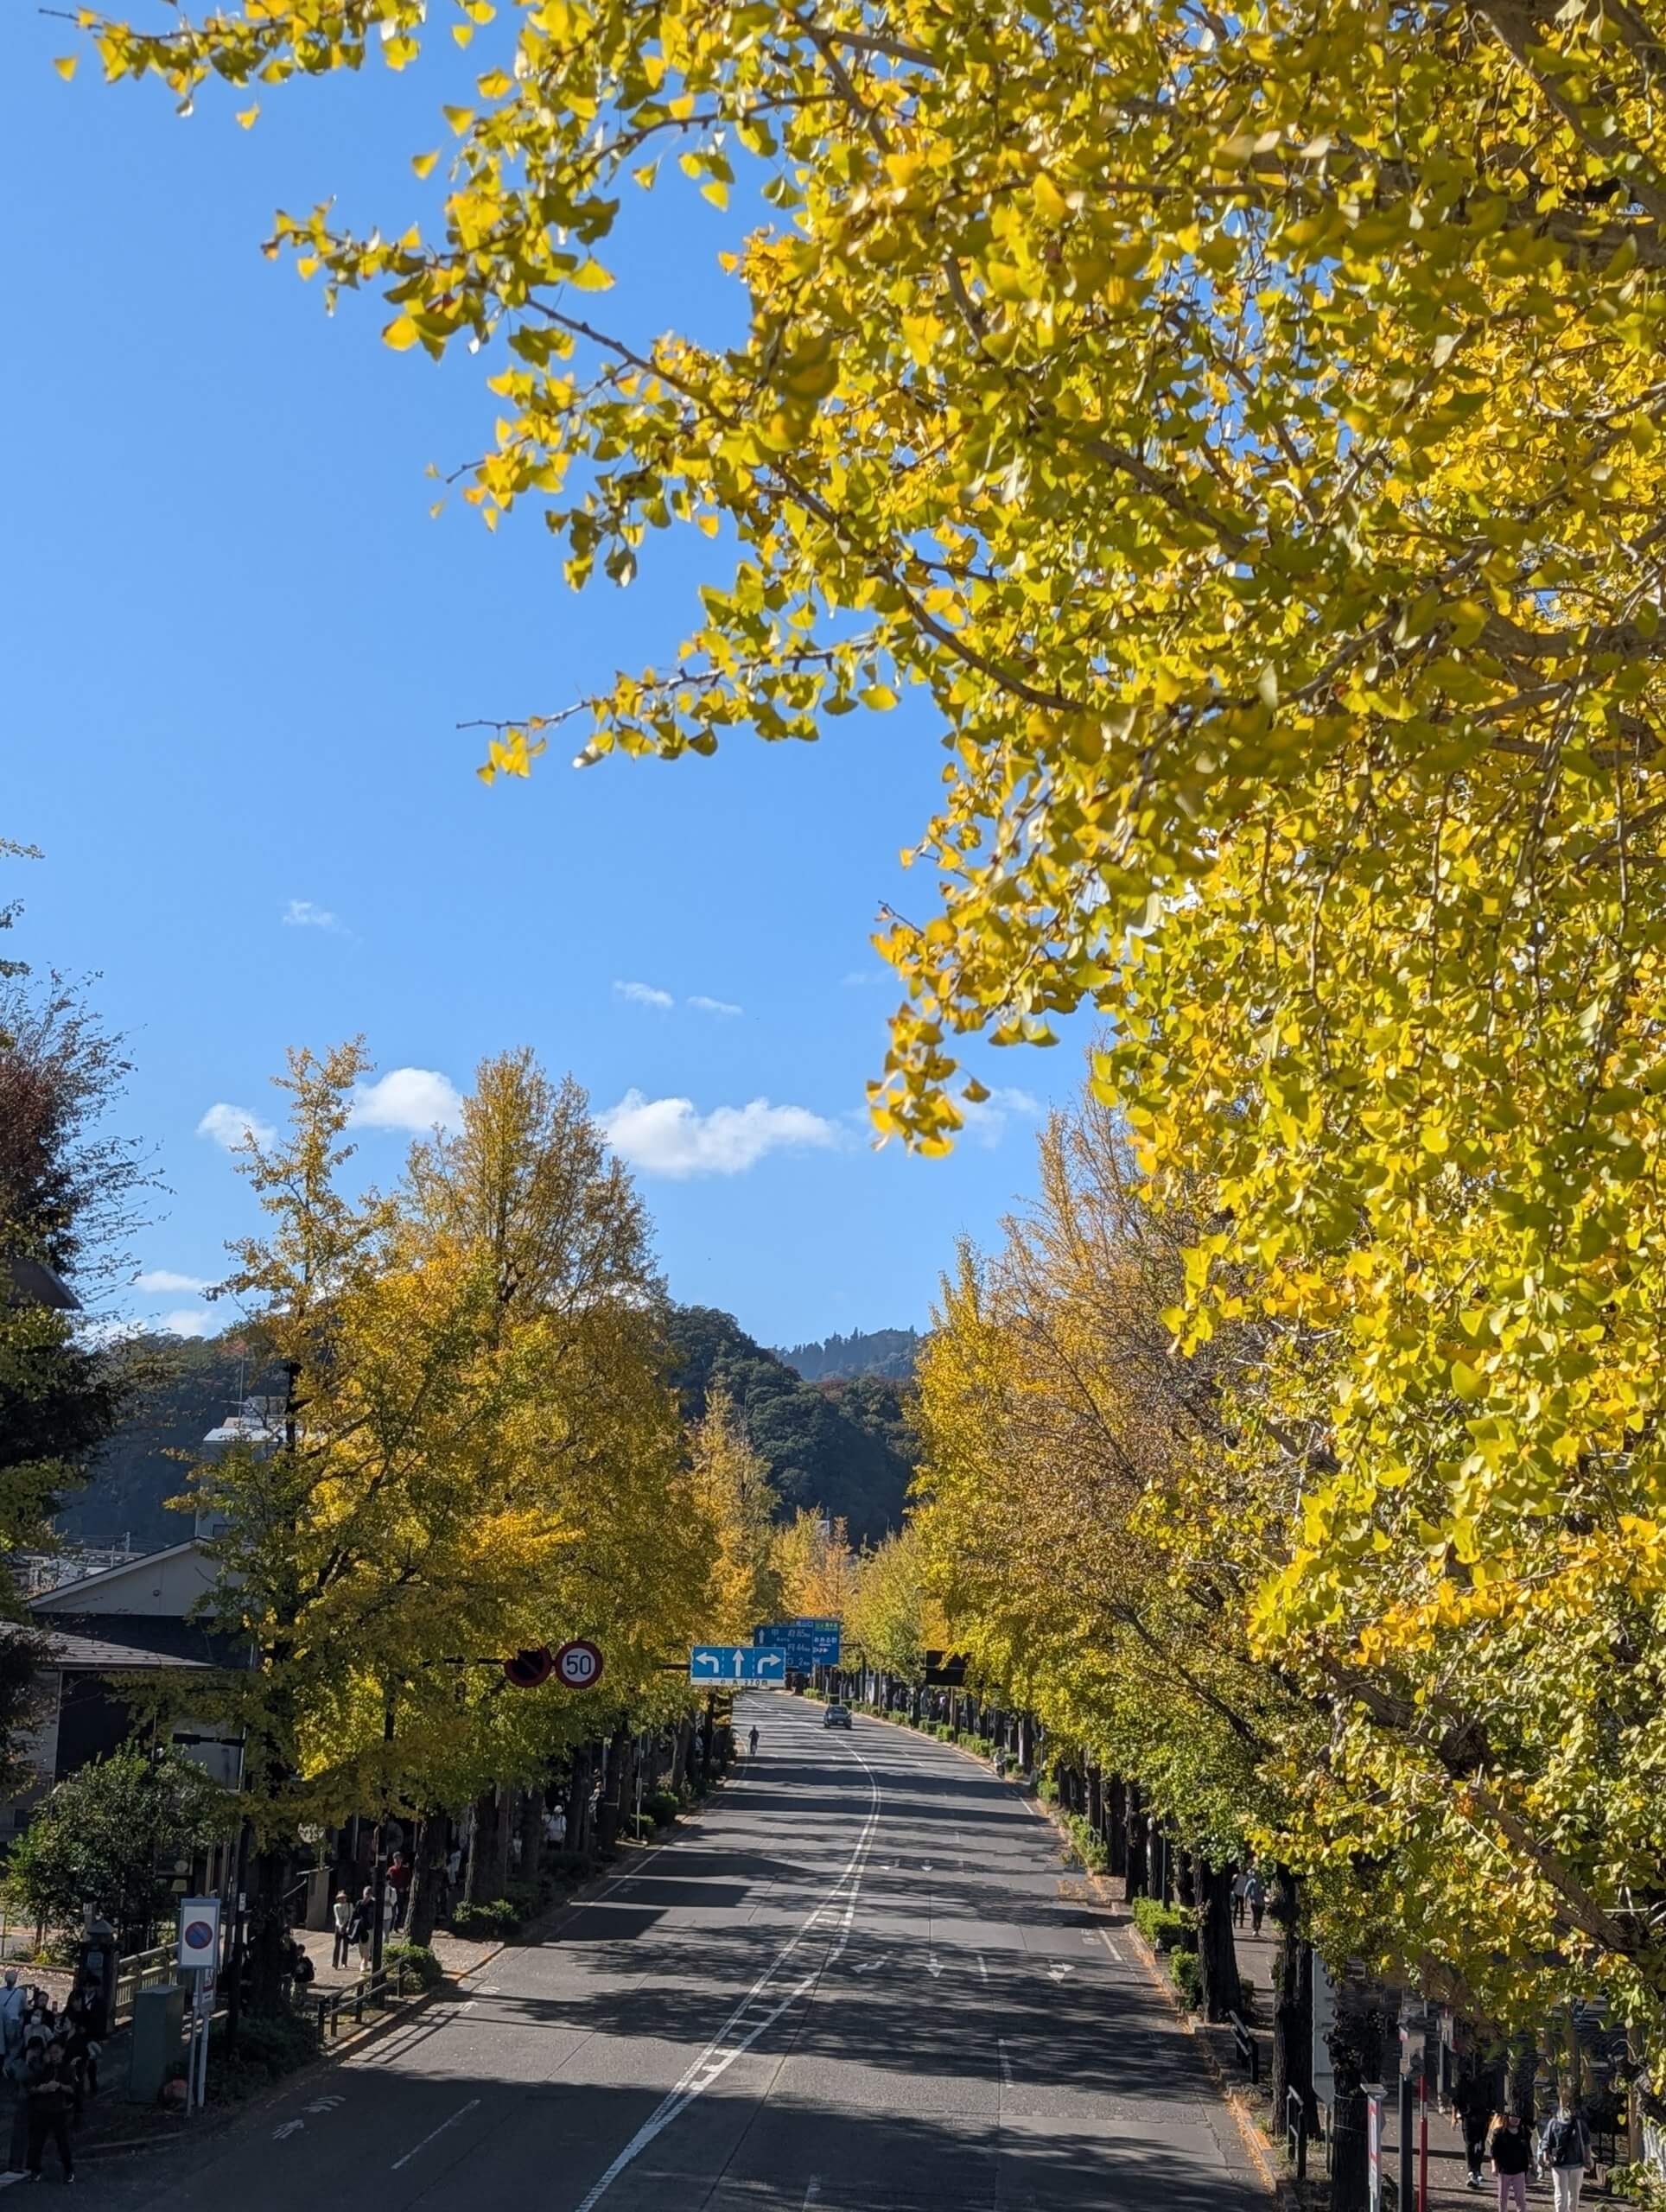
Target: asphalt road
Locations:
point(864, 1981)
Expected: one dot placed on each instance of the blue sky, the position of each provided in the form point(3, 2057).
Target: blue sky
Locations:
point(236, 649)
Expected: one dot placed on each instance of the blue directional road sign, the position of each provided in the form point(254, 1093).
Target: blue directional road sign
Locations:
point(807, 1643)
point(736, 1663)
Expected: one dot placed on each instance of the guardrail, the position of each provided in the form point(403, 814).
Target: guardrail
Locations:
point(1248, 2053)
point(372, 1989)
point(149, 1969)
point(1295, 2131)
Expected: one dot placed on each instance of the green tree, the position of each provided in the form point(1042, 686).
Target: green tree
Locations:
point(106, 1838)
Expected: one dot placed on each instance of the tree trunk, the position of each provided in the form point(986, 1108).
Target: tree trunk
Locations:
point(1217, 1955)
point(1096, 1802)
point(268, 1927)
point(1293, 2010)
point(1026, 1742)
point(1523, 2068)
point(488, 1852)
point(1134, 1881)
point(578, 1800)
point(426, 1867)
point(1188, 1873)
point(531, 1834)
point(607, 1817)
point(1117, 1824)
point(1350, 2179)
point(680, 1755)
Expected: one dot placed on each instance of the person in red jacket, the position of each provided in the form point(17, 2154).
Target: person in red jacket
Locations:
point(400, 1883)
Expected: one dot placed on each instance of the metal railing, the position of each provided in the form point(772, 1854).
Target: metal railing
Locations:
point(1295, 2131)
point(1248, 2051)
point(150, 1969)
point(374, 1989)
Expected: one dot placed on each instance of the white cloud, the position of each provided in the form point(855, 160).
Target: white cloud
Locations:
point(716, 1005)
point(158, 1279)
point(188, 1321)
point(408, 1098)
point(229, 1126)
point(303, 914)
point(645, 995)
point(986, 1122)
point(666, 1136)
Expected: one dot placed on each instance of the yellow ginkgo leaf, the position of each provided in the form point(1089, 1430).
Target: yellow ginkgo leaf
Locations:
point(245, 116)
point(423, 163)
point(65, 65)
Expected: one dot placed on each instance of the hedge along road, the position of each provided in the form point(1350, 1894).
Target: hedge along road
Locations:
point(864, 1981)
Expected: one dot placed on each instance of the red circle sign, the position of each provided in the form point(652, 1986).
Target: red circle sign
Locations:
point(528, 1669)
point(579, 1665)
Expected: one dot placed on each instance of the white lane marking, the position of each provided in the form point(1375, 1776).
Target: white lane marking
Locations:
point(982, 1969)
point(1006, 2067)
point(813, 2192)
point(720, 2055)
point(873, 1967)
point(289, 2128)
point(1112, 1948)
point(932, 1967)
point(1056, 1973)
point(432, 2132)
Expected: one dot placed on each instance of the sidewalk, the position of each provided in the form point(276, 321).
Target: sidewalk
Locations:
point(456, 1955)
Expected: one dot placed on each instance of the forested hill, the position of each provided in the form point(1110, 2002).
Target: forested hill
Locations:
point(141, 1466)
point(843, 1443)
point(889, 1352)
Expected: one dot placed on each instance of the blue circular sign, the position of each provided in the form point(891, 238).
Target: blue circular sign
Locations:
point(199, 1933)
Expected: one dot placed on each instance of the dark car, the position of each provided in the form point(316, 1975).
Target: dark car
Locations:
point(837, 1716)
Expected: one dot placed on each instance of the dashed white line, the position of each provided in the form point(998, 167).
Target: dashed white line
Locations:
point(432, 2132)
point(721, 2052)
point(1006, 2067)
point(813, 2192)
point(982, 1969)
point(1112, 1948)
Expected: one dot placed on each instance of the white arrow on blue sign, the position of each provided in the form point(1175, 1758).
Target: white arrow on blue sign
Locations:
point(735, 1663)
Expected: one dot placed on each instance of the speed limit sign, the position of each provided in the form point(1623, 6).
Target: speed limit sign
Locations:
point(579, 1665)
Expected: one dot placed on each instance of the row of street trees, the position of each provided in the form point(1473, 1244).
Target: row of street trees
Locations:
point(475, 1451)
point(1244, 432)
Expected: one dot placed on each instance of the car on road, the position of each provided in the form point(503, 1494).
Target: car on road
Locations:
point(837, 1716)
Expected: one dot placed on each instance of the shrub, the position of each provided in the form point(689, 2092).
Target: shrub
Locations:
point(1165, 1927)
point(497, 1916)
point(1089, 1844)
point(1187, 1970)
point(569, 1867)
point(268, 2046)
point(418, 1961)
point(661, 1807)
point(1047, 1789)
point(1247, 1997)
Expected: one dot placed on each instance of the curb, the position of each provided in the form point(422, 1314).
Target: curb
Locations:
point(217, 2119)
point(1277, 2185)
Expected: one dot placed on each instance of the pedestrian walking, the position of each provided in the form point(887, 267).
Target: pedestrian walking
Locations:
point(1565, 2149)
point(51, 2093)
point(400, 1883)
point(1255, 1896)
point(362, 1928)
point(1472, 2102)
point(341, 1913)
point(752, 1744)
point(1512, 2154)
point(1240, 1890)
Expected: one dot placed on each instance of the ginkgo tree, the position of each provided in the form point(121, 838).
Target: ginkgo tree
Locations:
point(1243, 433)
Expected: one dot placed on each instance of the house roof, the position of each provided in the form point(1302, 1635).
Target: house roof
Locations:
point(35, 1285)
point(118, 1642)
point(52, 1601)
